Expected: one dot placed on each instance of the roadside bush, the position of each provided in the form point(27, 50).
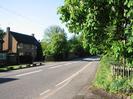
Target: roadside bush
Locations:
point(10, 68)
point(3, 69)
point(121, 85)
point(117, 85)
point(15, 67)
point(105, 80)
point(103, 76)
point(131, 96)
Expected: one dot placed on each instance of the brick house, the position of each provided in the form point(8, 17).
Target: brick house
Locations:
point(21, 48)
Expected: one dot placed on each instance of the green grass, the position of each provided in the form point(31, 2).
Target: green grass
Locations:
point(23, 66)
point(105, 80)
point(103, 76)
point(131, 96)
point(15, 67)
point(3, 69)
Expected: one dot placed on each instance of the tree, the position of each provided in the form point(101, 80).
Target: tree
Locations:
point(1, 33)
point(83, 16)
point(55, 42)
point(106, 25)
point(75, 46)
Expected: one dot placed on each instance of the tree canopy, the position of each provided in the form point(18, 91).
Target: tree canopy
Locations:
point(55, 42)
point(75, 46)
point(106, 25)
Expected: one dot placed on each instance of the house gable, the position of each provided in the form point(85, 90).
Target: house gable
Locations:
point(5, 44)
point(21, 46)
point(10, 46)
point(22, 38)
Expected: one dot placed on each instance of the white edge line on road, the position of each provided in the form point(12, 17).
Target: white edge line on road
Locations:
point(45, 92)
point(24, 74)
point(75, 74)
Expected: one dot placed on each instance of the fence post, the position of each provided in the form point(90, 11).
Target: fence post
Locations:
point(113, 70)
point(132, 71)
point(123, 70)
point(128, 72)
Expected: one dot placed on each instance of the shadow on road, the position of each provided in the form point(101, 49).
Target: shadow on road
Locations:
point(5, 80)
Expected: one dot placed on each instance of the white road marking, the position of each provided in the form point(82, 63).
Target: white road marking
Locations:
point(55, 66)
point(66, 82)
point(52, 65)
point(24, 74)
point(56, 90)
point(45, 92)
point(75, 74)
point(61, 65)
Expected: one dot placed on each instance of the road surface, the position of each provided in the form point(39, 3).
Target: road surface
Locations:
point(56, 80)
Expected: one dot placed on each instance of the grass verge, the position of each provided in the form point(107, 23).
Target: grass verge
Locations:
point(105, 80)
point(3, 69)
point(15, 67)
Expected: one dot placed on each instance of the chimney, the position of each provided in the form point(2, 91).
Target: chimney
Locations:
point(8, 29)
point(33, 35)
point(9, 38)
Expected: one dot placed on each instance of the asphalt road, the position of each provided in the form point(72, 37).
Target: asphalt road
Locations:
point(56, 80)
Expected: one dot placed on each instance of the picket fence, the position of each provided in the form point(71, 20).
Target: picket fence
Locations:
point(122, 71)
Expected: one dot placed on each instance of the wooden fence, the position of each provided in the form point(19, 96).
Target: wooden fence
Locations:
point(122, 71)
point(118, 70)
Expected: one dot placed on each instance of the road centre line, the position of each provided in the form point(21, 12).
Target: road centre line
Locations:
point(51, 65)
point(74, 75)
point(56, 90)
point(61, 65)
point(24, 74)
point(45, 92)
point(66, 82)
point(28, 73)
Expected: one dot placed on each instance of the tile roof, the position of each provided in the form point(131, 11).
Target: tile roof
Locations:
point(22, 38)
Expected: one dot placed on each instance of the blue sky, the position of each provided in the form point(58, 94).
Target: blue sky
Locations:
point(30, 16)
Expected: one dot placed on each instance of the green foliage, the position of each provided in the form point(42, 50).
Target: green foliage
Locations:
point(121, 85)
point(55, 43)
point(45, 48)
point(103, 76)
point(131, 96)
point(85, 17)
point(116, 84)
point(75, 46)
point(105, 80)
point(15, 67)
point(106, 25)
point(3, 69)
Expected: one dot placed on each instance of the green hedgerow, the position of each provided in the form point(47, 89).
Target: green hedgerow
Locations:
point(105, 80)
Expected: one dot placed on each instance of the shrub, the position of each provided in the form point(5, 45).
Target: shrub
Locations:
point(103, 76)
point(3, 69)
point(105, 80)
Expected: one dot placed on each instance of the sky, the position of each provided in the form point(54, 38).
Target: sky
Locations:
point(30, 16)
